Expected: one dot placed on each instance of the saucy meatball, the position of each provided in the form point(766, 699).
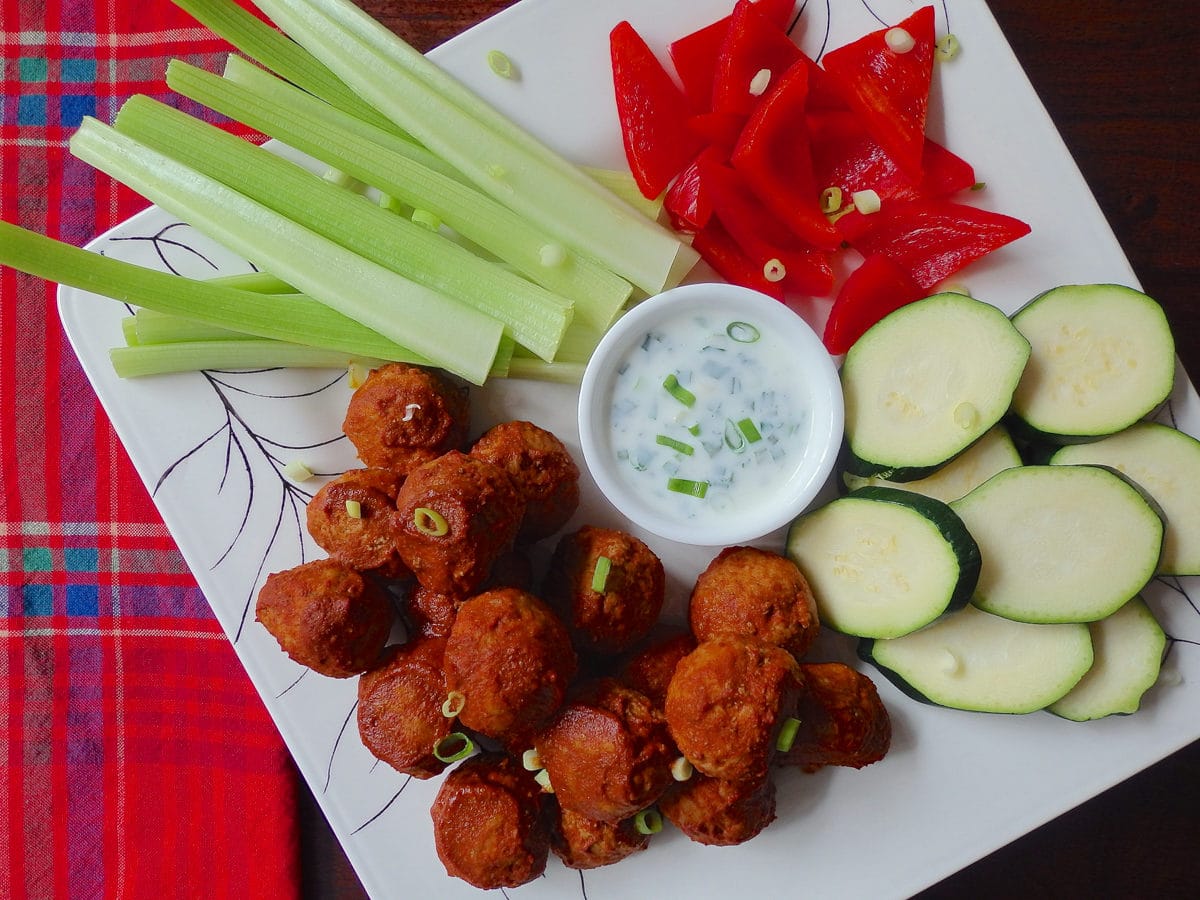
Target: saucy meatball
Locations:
point(402, 416)
point(720, 812)
point(750, 591)
point(608, 586)
point(608, 752)
point(543, 470)
point(728, 701)
point(455, 517)
point(400, 707)
point(583, 843)
point(842, 720)
point(326, 616)
point(510, 658)
point(353, 519)
point(490, 826)
point(649, 669)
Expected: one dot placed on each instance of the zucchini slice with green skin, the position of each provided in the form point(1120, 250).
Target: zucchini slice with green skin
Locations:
point(975, 661)
point(1103, 358)
point(1165, 463)
point(883, 562)
point(1128, 647)
point(1061, 543)
point(992, 453)
point(926, 382)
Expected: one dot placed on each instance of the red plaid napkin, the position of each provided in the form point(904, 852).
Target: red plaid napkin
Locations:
point(137, 760)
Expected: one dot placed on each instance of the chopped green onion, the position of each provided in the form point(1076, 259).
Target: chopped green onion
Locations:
point(354, 509)
point(356, 374)
point(543, 778)
point(743, 332)
point(866, 201)
point(430, 522)
point(552, 255)
point(648, 821)
point(678, 446)
point(831, 199)
point(600, 574)
point(734, 439)
point(748, 428)
point(694, 430)
point(453, 747)
point(297, 471)
point(426, 219)
point(774, 270)
point(899, 40)
point(759, 83)
point(946, 48)
point(695, 489)
point(678, 391)
point(787, 734)
point(681, 769)
point(531, 761)
point(453, 704)
point(499, 63)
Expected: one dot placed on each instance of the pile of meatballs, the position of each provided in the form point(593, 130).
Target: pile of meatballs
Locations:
point(584, 721)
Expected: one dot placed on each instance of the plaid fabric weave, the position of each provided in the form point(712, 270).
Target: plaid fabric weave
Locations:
point(136, 758)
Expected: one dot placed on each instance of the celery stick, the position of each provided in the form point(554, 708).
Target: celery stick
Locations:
point(129, 331)
point(407, 313)
point(283, 317)
point(531, 314)
point(154, 327)
point(259, 282)
point(274, 51)
point(267, 104)
point(624, 186)
point(501, 159)
point(255, 353)
point(540, 370)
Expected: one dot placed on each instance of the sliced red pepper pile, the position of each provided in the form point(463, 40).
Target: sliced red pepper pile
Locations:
point(762, 151)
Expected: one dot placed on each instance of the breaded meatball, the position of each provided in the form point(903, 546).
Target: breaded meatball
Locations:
point(649, 669)
point(719, 812)
point(403, 415)
point(326, 616)
point(608, 586)
point(365, 541)
point(755, 592)
point(432, 612)
point(583, 843)
point(842, 720)
point(511, 659)
point(400, 707)
point(543, 470)
point(727, 702)
point(608, 752)
point(490, 827)
point(456, 516)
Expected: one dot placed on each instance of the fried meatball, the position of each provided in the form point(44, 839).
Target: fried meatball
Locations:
point(511, 659)
point(720, 812)
point(456, 516)
point(490, 827)
point(432, 612)
point(365, 541)
point(727, 702)
point(649, 669)
point(583, 843)
point(608, 752)
point(404, 415)
point(842, 720)
point(543, 470)
point(755, 592)
point(606, 612)
point(326, 616)
point(400, 707)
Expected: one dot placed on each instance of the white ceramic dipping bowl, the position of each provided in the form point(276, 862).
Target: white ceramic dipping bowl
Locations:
point(713, 389)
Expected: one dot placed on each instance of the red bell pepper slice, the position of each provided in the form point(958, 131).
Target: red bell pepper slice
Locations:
point(753, 43)
point(772, 156)
point(874, 289)
point(890, 89)
point(930, 239)
point(720, 130)
point(718, 248)
point(687, 202)
point(653, 112)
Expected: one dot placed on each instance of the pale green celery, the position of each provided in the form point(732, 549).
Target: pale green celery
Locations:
point(129, 331)
point(405, 312)
point(154, 327)
point(267, 104)
point(285, 57)
point(540, 370)
point(624, 186)
point(577, 345)
point(499, 157)
point(531, 314)
point(278, 316)
point(259, 282)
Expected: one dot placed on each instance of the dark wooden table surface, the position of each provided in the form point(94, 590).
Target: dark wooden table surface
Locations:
point(1122, 82)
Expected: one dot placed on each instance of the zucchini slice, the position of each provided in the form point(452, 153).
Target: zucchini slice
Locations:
point(1129, 647)
point(1061, 543)
point(925, 382)
point(973, 660)
point(1165, 463)
point(1103, 358)
point(883, 562)
point(992, 453)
